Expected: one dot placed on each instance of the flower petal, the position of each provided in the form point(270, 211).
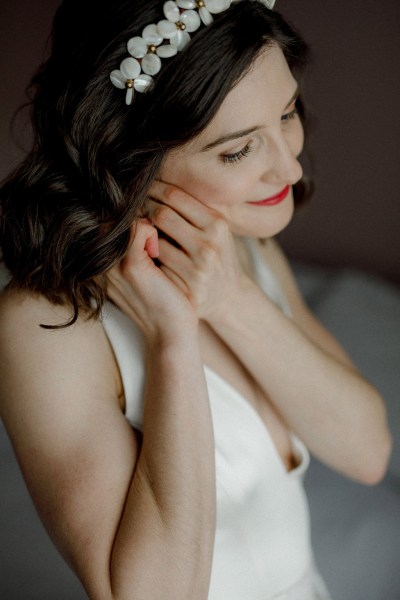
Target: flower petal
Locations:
point(269, 3)
point(166, 29)
point(180, 39)
point(186, 4)
point(142, 83)
point(217, 6)
point(137, 47)
point(118, 79)
point(166, 51)
point(129, 96)
point(191, 19)
point(171, 11)
point(151, 35)
point(151, 64)
point(205, 16)
point(130, 68)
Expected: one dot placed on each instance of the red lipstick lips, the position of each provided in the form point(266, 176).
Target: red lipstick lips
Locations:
point(273, 200)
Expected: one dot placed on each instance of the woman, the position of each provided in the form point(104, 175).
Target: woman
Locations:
point(163, 435)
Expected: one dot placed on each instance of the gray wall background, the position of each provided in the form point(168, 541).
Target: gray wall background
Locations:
point(353, 90)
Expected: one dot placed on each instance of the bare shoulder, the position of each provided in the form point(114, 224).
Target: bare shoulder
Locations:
point(29, 350)
point(66, 374)
point(22, 312)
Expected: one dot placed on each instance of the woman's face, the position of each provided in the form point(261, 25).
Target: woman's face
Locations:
point(248, 153)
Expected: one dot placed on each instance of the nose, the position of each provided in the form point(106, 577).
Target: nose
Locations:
point(283, 166)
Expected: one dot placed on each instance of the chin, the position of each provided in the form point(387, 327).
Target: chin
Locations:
point(273, 223)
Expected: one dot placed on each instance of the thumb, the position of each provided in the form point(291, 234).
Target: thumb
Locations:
point(145, 237)
point(151, 245)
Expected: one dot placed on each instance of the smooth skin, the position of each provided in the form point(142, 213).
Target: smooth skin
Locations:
point(134, 513)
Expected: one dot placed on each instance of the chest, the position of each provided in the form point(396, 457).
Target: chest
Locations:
point(220, 359)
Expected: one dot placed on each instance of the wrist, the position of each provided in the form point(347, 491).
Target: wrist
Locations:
point(176, 352)
point(182, 334)
point(242, 296)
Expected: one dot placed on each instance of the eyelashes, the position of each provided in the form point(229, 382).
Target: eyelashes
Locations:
point(289, 116)
point(236, 157)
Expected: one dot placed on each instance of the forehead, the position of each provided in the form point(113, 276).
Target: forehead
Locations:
point(258, 97)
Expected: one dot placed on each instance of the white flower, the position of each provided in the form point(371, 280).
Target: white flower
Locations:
point(177, 25)
point(130, 77)
point(149, 49)
point(182, 17)
point(206, 8)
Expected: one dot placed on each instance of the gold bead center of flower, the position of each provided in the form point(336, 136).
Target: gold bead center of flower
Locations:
point(200, 3)
point(181, 25)
point(129, 83)
point(152, 48)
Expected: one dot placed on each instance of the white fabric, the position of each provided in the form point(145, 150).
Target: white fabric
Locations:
point(266, 279)
point(262, 545)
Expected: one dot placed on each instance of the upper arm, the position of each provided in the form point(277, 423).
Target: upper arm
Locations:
point(58, 394)
point(301, 314)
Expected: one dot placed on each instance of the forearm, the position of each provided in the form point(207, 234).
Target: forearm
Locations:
point(165, 540)
point(337, 413)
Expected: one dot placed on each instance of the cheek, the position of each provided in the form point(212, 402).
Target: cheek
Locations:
point(215, 185)
point(222, 191)
point(297, 139)
point(214, 188)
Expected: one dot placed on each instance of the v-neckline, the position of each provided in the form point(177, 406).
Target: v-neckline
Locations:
point(260, 269)
point(260, 423)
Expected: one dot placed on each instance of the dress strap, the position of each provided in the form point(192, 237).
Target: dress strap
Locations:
point(266, 279)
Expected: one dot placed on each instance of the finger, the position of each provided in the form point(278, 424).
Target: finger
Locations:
point(152, 245)
point(171, 223)
point(144, 242)
point(174, 257)
point(174, 277)
point(190, 208)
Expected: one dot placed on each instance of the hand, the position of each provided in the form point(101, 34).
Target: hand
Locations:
point(146, 294)
point(202, 262)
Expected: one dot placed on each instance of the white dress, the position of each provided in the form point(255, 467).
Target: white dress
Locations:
point(262, 545)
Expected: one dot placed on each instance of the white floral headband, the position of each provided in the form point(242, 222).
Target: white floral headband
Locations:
point(182, 17)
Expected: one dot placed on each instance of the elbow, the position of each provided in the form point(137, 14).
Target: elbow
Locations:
point(374, 470)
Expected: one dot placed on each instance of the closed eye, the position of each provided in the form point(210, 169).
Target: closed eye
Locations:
point(290, 115)
point(235, 157)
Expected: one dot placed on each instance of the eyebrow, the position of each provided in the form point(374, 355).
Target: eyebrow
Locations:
point(243, 132)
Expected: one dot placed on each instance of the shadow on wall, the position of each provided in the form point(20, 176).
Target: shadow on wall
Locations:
point(352, 90)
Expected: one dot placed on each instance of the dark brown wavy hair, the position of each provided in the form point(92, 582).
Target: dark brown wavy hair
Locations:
point(66, 212)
